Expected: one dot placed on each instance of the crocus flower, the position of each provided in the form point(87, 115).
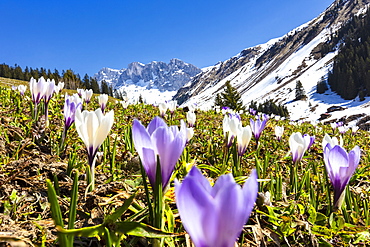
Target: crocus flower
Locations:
point(189, 134)
point(230, 125)
point(172, 105)
point(299, 145)
point(342, 129)
point(354, 129)
point(49, 90)
point(257, 126)
point(191, 117)
point(252, 111)
point(80, 91)
point(88, 95)
point(159, 140)
point(243, 138)
point(93, 127)
point(310, 139)
point(225, 109)
point(162, 109)
point(215, 216)
point(340, 167)
point(71, 104)
point(103, 99)
point(332, 141)
point(279, 130)
point(124, 104)
point(37, 89)
point(22, 89)
point(59, 87)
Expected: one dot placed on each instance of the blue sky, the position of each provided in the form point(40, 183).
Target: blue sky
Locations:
point(86, 36)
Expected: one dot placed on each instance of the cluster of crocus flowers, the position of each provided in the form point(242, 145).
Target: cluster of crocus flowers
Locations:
point(232, 127)
point(93, 127)
point(215, 216)
point(162, 141)
point(340, 167)
point(42, 89)
point(103, 100)
point(299, 144)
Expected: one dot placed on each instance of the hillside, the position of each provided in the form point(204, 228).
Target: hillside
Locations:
point(271, 70)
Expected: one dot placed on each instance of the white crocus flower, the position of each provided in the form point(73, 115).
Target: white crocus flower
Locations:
point(189, 134)
point(279, 130)
point(354, 129)
point(243, 138)
point(22, 89)
point(162, 109)
point(191, 117)
point(230, 127)
point(298, 145)
point(88, 95)
point(93, 127)
point(172, 105)
point(124, 104)
point(332, 141)
point(103, 99)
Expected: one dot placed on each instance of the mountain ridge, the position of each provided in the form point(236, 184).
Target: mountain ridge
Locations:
point(268, 71)
point(137, 78)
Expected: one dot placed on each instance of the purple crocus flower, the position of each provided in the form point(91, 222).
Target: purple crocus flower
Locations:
point(257, 127)
point(252, 111)
point(215, 216)
point(71, 104)
point(159, 140)
point(340, 167)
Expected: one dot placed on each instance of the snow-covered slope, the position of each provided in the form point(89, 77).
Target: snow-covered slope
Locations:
point(154, 82)
point(271, 70)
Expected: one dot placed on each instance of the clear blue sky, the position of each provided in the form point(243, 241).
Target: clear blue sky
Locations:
point(86, 36)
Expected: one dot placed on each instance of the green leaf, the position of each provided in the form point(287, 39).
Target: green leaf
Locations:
point(56, 214)
point(120, 211)
point(312, 214)
point(88, 232)
point(141, 230)
point(336, 222)
point(321, 231)
point(321, 219)
point(73, 206)
point(362, 237)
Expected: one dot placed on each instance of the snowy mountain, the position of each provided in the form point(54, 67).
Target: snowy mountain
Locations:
point(155, 82)
point(271, 70)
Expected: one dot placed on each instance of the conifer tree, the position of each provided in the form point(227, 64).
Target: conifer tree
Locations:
point(231, 97)
point(299, 91)
point(94, 85)
point(219, 101)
